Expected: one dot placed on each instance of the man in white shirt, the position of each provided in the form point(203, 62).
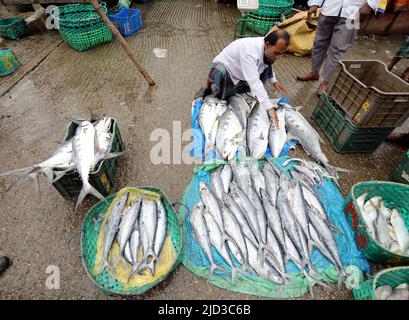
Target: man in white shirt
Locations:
point(338, 24)
point(244, 65)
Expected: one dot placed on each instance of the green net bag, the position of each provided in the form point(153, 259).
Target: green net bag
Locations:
point(90, 245)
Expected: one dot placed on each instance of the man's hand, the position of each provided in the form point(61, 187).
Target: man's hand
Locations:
point(365, 10)
point(280, 88)
point(273, 115)
point(312, 12)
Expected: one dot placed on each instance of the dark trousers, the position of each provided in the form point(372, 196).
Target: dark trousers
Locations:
point(332, 40)
point(221, 85)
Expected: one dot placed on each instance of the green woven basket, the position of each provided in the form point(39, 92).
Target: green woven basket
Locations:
point(77, 15)
point(391, 277)
point(13, 28)
point(260, 25)
point(90, 233)
point(8, 62)
point(401, 173)
point(81, 26)
point(274, 8)
point(395, 195)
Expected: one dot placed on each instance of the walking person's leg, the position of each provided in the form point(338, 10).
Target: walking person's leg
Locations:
point(319, 50)
point(403, 52)
point(341, 41)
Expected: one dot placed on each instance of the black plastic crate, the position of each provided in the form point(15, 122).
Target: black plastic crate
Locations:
point(103, 178)
point(371, 95)
point(343, 134)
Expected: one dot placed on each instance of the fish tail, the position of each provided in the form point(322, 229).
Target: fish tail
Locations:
point(111, 155)
point(132, 274)
point(312, 282)
point(88, 189)
point(24, 171)
point(149, 264)
point(311, 268)
point(59, 174)
point(213, 267)
point(323, 250)
point(105, 264)
point(233, 273)
point(48, 172)
point(117, 260)
point(261, 252)
point(151, 267)
point(29, 176)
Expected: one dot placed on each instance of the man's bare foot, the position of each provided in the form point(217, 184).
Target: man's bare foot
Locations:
point(405, 75)
point(202, 92)
point(309, 76)
point(399, 138)
point(323, 86)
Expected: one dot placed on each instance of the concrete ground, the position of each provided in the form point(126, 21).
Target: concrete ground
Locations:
point(56, 82)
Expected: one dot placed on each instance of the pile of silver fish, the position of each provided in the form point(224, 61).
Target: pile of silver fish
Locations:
point(83, 152)
point(259, 219)
point(385, 292)
point(243, 126)
point(142, 224)
point(385, 225)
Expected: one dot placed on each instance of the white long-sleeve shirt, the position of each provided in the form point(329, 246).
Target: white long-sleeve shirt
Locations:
point(344, 8)
point(244, 61)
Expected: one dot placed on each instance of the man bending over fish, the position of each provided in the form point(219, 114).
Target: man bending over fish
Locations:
point(244, 65)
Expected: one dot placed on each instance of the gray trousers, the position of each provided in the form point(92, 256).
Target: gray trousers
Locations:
point(332, 40)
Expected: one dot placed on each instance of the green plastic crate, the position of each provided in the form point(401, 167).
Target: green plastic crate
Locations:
point(395, 195)
point(391, 277)
point(343, 134)
point(13, 28)
point(103, 178)
point(90, 232)
point(258, 24)
point(401, 173)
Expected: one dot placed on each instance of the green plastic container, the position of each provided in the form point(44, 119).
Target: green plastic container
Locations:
point(394, 195)
point(8, 62)
point(343, 134)
point(90, 232)
point(13, 28)
point(391, 277)
point(81, 26)
point(103, 178)
point(258, 24)
point(274, 8)
point(401, 173)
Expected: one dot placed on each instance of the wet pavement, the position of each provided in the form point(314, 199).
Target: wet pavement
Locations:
point(58, 82)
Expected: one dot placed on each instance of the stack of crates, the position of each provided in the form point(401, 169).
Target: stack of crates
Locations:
point(363, 105)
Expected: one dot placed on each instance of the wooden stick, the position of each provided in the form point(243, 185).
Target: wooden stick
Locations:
point(132, 55)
